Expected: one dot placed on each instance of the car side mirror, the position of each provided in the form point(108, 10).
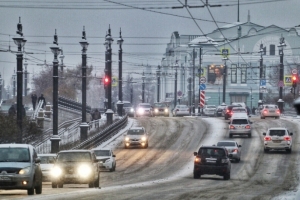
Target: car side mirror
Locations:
point(240, 145)
point(195, 153)
point(264, 134)
point(37, 160)
point(291, 133)
point(114, 156)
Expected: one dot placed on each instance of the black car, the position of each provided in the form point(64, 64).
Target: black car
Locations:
point(212, 160)
point(219, 111)
point(227, 111)
point(160, 109)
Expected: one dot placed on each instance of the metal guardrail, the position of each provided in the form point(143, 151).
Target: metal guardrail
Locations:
point(71, 104)
point(105, 134)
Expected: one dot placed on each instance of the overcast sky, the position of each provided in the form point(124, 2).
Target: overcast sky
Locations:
point(145, 31)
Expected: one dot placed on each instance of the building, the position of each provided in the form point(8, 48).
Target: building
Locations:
point(249, 46)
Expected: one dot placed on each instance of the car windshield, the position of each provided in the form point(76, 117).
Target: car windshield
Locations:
point(74, 157)
point(239, 121)
point(135, 132)
point(145, 106)
point(14, 154)
point(226, 144)
point(211, 106)
point(160, 105)
point(271, 106)
point(238, 110)
point(277, 132)
point(102, 152)
point(47, 159)
point(127, 105)
point(213, 152)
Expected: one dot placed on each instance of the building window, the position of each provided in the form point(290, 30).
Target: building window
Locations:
point(272, 50)
point(233, 73)
point(243, 73)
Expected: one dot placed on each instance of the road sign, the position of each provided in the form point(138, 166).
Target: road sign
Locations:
point(225, 52)
point(202, 98)
point(263, 82)
point(114, 82)
point(294, 71)
point(179, 93)
point(287, 80)
point(202, 79)
point(263, 89)
point(202, 86)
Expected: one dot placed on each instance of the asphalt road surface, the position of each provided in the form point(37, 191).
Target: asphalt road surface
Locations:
point(165, 169)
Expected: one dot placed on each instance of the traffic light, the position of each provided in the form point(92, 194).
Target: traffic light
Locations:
point(292, 90)
point(294, 80)
point(106, 81)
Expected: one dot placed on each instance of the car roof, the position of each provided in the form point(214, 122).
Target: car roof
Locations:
point(71, 151)
point(277, 128)
point(144, 103)
point(16, 145)
point(47, 155)
point(227, 141)
point(136, 128)
point(109, 149)
point(217, 147)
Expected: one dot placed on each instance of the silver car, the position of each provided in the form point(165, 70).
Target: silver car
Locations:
point(209, 110)
point(269, 111)
point(233, 148)
point(278, 139)
point(136, 136)
point(47, 162)
point(20, 168)
point(181, 110)
point(240, 125)
point(106, 159)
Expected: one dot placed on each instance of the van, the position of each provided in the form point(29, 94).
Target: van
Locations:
point(240, 125)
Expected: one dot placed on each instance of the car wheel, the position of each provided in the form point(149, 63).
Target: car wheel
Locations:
point(146, 146)
point(96, 183)
point(60, 184)
point(226, 176)
point(38, 189)
point(54, 185)
point(238, 160)
point(266, 150)
point(114, 169)
point(262, 117)
point(249, 135)
point(30, 191)
point(197, 175)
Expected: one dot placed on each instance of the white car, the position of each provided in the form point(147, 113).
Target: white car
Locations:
point(233, 148)
point(209, 110)
point(106, 159)
point(269, 110)
point(278, 139)
point(181, 110)
point(143, 109)
point(47, 162)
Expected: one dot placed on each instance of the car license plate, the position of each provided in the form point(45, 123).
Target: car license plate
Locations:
point(276, 141)
point(271, 111)
point(5, 178)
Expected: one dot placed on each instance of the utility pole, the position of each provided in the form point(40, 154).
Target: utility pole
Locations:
point(143, 88)
point(158, 82)
point(281, 71)
point(25, 81)
point(224, 79)
point(175, 88)
point(261, 70)
point(200, 74)
point(194, 80)
point(120, 102)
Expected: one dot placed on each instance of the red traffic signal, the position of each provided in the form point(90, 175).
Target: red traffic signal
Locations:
point(294, 80)
point(106, 80)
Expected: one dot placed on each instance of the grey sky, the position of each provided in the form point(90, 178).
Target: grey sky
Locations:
point(145, 33)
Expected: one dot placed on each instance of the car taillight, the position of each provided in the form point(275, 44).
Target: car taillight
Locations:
point(287, 138)
point(231, 127)
point(197, 160)
point(235, 150)
point(267, 138)
point(278, 111)
point(227, 111)
point(247, 127)
point(265, 111)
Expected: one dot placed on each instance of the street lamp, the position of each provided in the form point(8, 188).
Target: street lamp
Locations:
point(20, 42)
point(120, 103)
point(143, 88)
point(281, 46)
point(83, 126)
point(55, 138)
point(108, 42)
point(25, 81)
point(224, 79)
point(158, 82)
point(61, 60)
point(14, 84)
point(261, 51)
point(175, 88)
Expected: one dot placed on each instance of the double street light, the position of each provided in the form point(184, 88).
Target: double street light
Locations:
point(120, 102)
point(55, 138)
point(83, 126)
point(20, 42)
point(281, 70)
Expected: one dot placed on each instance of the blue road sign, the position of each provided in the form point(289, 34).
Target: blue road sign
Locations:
point(263, 82)
point(202, 86)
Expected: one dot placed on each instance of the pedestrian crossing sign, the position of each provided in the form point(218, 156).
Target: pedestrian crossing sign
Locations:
point(287, 80)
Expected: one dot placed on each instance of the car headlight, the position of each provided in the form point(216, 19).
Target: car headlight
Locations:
point(24, 171)
point(131, 110)
point(126, 139)
point(144, 138)
point(140, 110)
point(166, 110)
point(56, 171)
point(156, 110)
point(84, 170)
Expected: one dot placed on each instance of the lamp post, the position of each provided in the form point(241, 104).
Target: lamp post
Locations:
point(175, 88)
point(281, 70)
point(120, 103)
point(61, 60)
point(158, 82)
point(193, 81)
point(20, 42)
point(143, 88)
point(83, 126)
point(25, 81)
point(260, 70)
point(224, 79)
point(108, 42)
point(55, 138)
point(14, 84)
point(251, 97)
point(200, 73)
